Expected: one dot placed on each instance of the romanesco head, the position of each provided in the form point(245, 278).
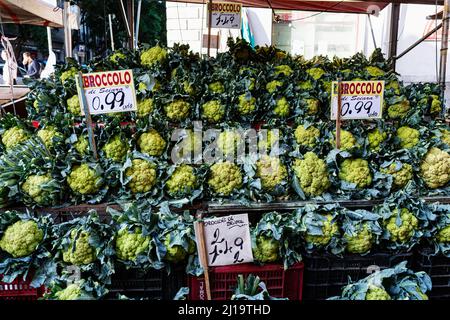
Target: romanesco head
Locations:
point(376, 137)
point(141, 87)
point(188, 88)
point(401, 175)
point(266, 249)
point(152, 143)
point(374, 71)
point(307, 137)
point(152, 56)
point(377, 293)
point(116, 149)
point(315, 73)
point(282, 108)
point(225, 178)
point(80, 251)
point(436, 104)
point(361, 241)
point(329, 230)
point(312, 174)
point(273, 85)
point(69, 74)
point(305, 85)
point(33, 186)
point(409, 137)
point(177, 253)
point(143, 176)
point(402, 230)
point(71, 292)
point(116, 57)
point(399, 110)
point(356, 171)
point(394, 85)
point(213, 111)
point(271, 172)
point(228, 142)
point(144, 107)
point(131, 244)
point(182, 181)
point(84, 180)
point(247, 104)
point(348, 140)
point(284, 70)
point(443, 235)
point(47, 135)
point(21, 238)
point(313, 106)
point(14, 136)
point(435, 168)
point(177, 110)
point(73, 105)
point(445, 136)
point(216, 87)
point(82, 145)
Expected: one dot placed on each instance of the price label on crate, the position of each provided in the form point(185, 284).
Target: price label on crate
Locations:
point(360, 99)
point(225, 15)
point(108, 92)
point(227, 240)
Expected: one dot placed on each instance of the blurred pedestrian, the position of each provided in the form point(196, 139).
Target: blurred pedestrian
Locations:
point(33, 67)
point(9, 69)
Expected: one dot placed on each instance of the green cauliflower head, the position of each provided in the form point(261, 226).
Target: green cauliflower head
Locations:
point(435, 168)
point(228, 142)
point(21, 238)
point(409, 137)
point(73, 105)
point(356, 171)
point(374, 71)
point(445, 136)
point(14, 136)
point(443, 235)
point(71, 292)
point(213, 111)
point(33, 187)
point(376, 137)
point(225, 178)
point(152, 56)
point(394, 85)
point(177, 110)
point(216, 87)
point(348, 140)
point(399, 110)
point(117, 56)
point(307, 136)
point(152, 143)
point(271, 172)
point(377, 293)
point(403, 231)
point(182, 181)
point(84, 180)
point(116, 149)
point(47, 135)
point(131, 244)
point(176, 253)
point(284, 70)
point(266, 249)
point(68, 74)
point(312, 174)
point(143, 176)
point(247, 104)
point(401, 175)
point(305, 85)
point(315, 73)
point(80, 251)
point(436, 105)
point(312, 106)
point(361, 242)
point(82, 145)
point(273, 86)
point(282, 108)
point(144, 107)
point(329, 230)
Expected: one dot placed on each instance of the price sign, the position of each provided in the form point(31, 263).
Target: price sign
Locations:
point(360, 99)
point(107, 92)
point(228, 240)
point(225, 15)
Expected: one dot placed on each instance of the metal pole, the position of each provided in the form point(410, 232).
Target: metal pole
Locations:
point(130, 13)
point(125, 17)
point(444, 47)
point(415, 44)
point(49, 39)
point(138, 20)
point(209, 25)
point(111, 32)
point(371, 30)
point(67, 44)
point(393, 37)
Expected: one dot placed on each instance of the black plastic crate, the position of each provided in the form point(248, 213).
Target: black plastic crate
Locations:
point(326, 274)
point(438, 268)
point(152, 284)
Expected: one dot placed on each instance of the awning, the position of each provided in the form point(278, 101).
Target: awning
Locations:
point(35, 12)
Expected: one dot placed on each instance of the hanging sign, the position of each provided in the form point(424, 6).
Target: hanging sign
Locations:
point(360, 99)
point(225, 15)
point(227, 240)
point(108, 92)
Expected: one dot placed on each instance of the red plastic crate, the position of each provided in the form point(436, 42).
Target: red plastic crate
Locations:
point(223, 281)
point(19, 290)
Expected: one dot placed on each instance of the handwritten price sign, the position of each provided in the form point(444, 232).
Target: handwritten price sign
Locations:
point(228, 240)
point(360, 99)
point(107, 92)
point(225, 15)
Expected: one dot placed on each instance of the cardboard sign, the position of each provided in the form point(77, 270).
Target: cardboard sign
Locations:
point(360, 99)
point(225, 15)
point(107, 92)
point(227, 240)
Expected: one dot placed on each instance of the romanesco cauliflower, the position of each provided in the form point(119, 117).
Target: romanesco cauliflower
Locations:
point(409, 137)
point(14, 136)
point(435, 168)
point(329, 230)
point(69, 74)
point(307, 137)
point(225, 178)
point(315, 73)
point(399, 110)
point(266, 249)
point(313, 106)
point(443, 235)
point(445, 136)
point(71, 292)
point(21, 238)
point(312, 174)
point(152, 143)
point(374, 71)
point(176, 253)
point(73, 105)
point(143, 176)
point(177, 110)
point(272, 86)
point(131, 244)
point(117, 56)
point(282, 108)
point(361, 241)
point(182, 181)
point(404, 231)
point(356, 171)
point(284, 70)
point(216, 87)
point(84, 180)
point(80, 251)
point(152, 56)
point(436, 105)
point(271, 172)
point(33, 186)
point(376, 137)
point(82, 145)
point(47, 135)
point(377, 293)
point(401, 175)
point(116, 149)
point(247, 104)
point(213, 111)
point(144, 107)
point(305, 85)
point(348, 140)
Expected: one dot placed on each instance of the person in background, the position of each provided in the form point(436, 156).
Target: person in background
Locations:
point(33, 67)
point(9, 69)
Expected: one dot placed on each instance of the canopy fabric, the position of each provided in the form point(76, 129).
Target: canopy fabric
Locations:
point(35, 12)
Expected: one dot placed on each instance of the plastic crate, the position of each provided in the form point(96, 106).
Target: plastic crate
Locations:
point(327, 274)
point(152, 284)
point(223, 281)
point(438, 268)
point(19, 289)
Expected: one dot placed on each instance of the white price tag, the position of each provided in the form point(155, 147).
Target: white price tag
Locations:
point(107, 92)
point(225, 15)
point(360, 99)
point(227, 240)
